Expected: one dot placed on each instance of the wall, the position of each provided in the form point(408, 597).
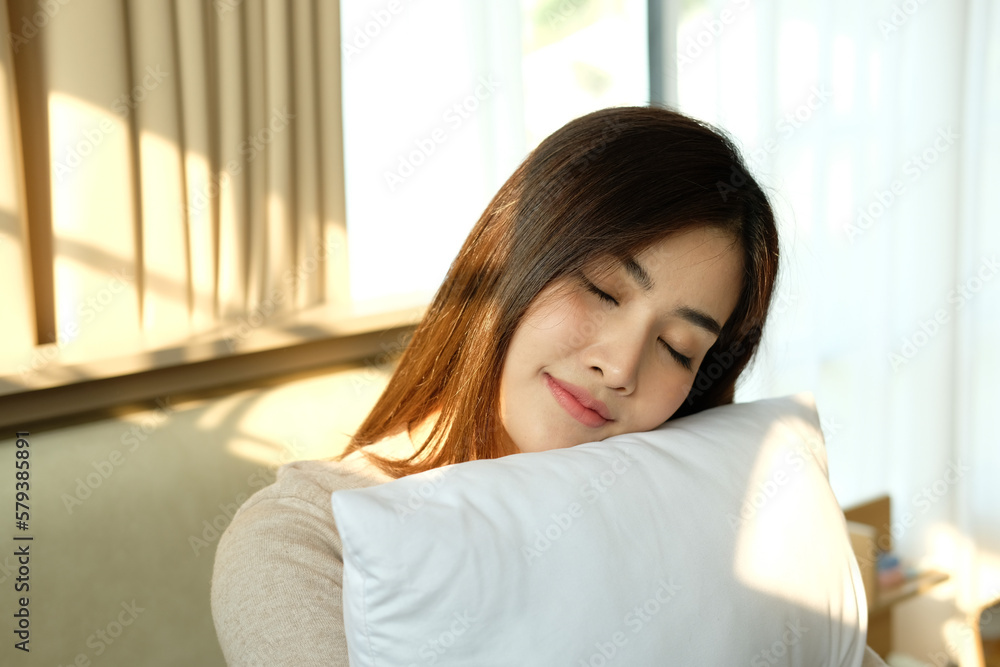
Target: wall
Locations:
point(125, 515)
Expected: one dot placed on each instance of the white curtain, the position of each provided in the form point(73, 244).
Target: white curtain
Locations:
point(443, 99)
point(877, 126)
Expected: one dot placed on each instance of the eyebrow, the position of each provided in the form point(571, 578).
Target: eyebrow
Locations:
point(692, 315)
point(639, 274)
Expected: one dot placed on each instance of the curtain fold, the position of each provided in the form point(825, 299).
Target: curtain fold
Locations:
point(279, 134)
point(307, 167)
point(230, 188)
point(15, 257)
point(183, 163)
point(250, 148)
point(159, 140)
point(977, 357)
point(334, 286)
point(196, 79)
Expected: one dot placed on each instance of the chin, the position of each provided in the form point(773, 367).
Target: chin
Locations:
point(545, 442)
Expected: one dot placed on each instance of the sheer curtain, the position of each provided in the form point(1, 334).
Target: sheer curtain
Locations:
point(877, 126)
point(442, 101)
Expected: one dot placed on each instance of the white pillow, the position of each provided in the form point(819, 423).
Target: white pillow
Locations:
point(713, 540)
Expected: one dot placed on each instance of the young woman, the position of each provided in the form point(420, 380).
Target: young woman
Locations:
point(639, 234)
point(619, 278)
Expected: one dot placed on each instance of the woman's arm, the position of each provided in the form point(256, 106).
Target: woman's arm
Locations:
point(276, 588)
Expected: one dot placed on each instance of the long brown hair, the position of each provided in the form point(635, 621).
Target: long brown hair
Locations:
point(607, 184)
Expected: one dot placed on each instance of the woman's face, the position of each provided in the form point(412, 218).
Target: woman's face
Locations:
point(598, 354)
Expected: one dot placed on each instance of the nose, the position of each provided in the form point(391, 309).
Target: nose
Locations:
point(616, 357)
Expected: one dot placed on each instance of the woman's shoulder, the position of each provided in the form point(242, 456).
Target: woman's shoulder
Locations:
point(294, 510)
point(303, 488)
point(311, 482)
point(281, 549)
point(296, 506)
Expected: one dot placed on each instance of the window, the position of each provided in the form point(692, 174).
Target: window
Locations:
point(443, 100)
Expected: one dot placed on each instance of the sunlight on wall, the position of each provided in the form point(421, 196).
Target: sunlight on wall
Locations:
point(278, 425)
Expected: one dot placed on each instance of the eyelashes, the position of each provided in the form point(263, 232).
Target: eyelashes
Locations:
point(601, 294)
point(684, 361)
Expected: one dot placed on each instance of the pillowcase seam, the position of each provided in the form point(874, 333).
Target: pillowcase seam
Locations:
point(364, 596)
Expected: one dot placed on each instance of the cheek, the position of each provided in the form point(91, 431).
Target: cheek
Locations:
point(665, 398)
point(559, 325)
point(575, 325)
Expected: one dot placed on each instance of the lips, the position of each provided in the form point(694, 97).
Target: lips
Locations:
point(578, 402)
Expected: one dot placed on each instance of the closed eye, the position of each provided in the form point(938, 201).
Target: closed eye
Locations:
point(601, 294)
point(684, 361)
point(680, 358)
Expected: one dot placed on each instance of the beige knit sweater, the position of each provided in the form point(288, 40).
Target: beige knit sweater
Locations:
point(276, 588)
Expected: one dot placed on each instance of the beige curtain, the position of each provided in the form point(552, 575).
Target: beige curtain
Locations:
point(167, 169)
point(15, 279)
